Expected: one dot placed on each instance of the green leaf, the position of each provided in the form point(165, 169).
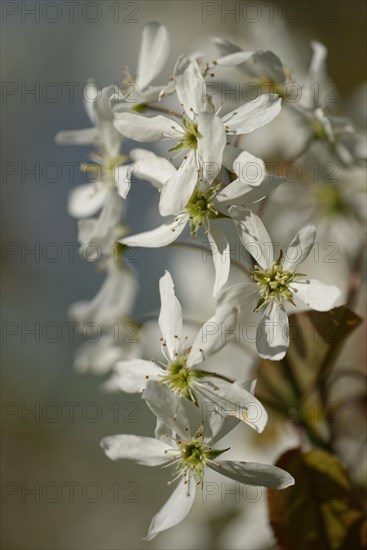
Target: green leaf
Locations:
point(321, 511)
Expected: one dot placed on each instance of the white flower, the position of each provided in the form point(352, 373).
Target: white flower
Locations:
point(206, 203)
point(276, 284)
point(86, 200)
point(97, 236)
point(180, 372)
point(101, 356)
point(190, 455)
point(263, 65)
point(153, 55)
point(202, 134)
point(113, 302)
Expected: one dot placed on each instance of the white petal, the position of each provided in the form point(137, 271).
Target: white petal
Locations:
point(252, 115)
point(143, 450)
point(233, 59)
point(214, 334)
point(170, 316)
point(240, 296)
point(221, 257)
point(109, 137)
point(255, 194)
point(253, 235)
point(150, 167)
point(114, 300)
point(216, 424)
point(299, 248)
point(154, 51)
point(317, 71)
point(252, 473)
point(132, 376)
point(177, 191)
point(211, 144)
point(167, 406)
point(122, 177)
point(315, 294)
point(86, 200)
point(233, 400)
point(264, 64)
point(224, 46)
point(89, 136)
point(249, 168)
point(101, 232)
point(175, 510)
point(98, 357)
point(190, 86)
point(240, 193)
point(161, 236)
point(144, 128)
point(272, 337)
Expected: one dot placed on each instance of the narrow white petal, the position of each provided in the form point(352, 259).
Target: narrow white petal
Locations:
point(299, 248)
point(316, 294)
point(264, 64)
point(252, 473)
point(143, 450)
point(221, 257)
point(190, 86)
point(249, 168)
point(253, 115)
point(233, 59)
point(89, 136)
point(167, 406)
point(233, 400)
point(170, 316)
point(216, 424)
point(253, 235)
point(239, 193)
point(86, 200)
point(224, 46)
point(154, 51)
point(144, 128)
point(177, 191)
point(214, 334)
point(240, 296)
point(212, 142)
point(114, 300)
point(272, 337)
point(101, 232)
point(132, 376)
point(176, 508)
point(122, 177)
point(148, 166)
point(161, 236)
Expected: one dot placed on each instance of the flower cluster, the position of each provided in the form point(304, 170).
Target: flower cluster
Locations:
point(208, 185)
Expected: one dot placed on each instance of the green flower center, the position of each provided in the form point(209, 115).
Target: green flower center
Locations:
point(194, 456)
point(200, 209)
point(179, 376)
point(190, 137)
point(274, 283)
point(104, 172)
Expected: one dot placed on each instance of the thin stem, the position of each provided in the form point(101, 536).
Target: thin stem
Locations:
point(355, 277)
point(313, 436)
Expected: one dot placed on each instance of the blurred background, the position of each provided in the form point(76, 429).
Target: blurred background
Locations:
point(59, 492)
